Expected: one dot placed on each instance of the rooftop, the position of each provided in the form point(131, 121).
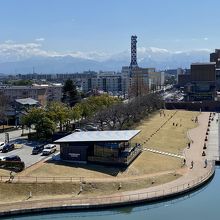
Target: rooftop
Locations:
point(34, 86)
point(99, 136)
point(207, 63)
point(27, 101)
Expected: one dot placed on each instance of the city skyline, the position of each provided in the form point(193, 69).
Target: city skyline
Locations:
point(98, 31)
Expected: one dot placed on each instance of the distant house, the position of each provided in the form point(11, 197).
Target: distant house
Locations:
point(24, 104)
point(19, 109)
point(107, 147)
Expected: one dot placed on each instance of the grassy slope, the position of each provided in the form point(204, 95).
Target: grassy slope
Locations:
point(20, 191)
point(169, 138)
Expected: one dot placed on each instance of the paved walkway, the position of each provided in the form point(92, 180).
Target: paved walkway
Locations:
point(190, 179)
point(14, 135)
point(213, 139)
point(164, 153)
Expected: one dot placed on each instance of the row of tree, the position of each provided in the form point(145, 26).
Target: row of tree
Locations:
point(57, 114)
point(3, 104)
point(124, 115)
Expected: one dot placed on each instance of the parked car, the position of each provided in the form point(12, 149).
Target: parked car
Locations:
point(49, 149)
point(38, 149)
point(91, 127)
point(2, 158)
point(2, 144)
point(79, 130)
point(8, 147)
point(12, 158)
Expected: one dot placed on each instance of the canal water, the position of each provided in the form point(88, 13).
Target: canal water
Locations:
point(202, 204)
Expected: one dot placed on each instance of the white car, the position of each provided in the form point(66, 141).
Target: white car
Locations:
point(2, 144)
point(49, 149)
point(2, 158)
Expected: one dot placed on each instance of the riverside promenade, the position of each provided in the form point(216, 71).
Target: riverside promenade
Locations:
point(192, 178)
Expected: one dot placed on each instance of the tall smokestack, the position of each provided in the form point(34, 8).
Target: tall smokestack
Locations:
point(133, 52)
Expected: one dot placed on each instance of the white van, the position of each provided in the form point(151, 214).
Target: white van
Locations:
point(49, 149)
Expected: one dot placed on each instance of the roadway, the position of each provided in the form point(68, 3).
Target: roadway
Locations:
point(24, 150)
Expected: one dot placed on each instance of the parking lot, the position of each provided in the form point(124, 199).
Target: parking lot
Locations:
point(23, 148)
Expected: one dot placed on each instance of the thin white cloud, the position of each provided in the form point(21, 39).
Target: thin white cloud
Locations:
point(200, 39)
point(9, 42)
point(158, 50)
point(14, 51)
point(40, 39)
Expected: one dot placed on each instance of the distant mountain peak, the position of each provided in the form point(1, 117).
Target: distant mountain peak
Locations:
point(78, 62)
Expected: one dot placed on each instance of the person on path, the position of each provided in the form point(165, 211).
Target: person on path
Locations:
point(192, 164)
point(184, 161)
point(206, 163)
point(11, 177)
point(196, 119)
point(189, 145)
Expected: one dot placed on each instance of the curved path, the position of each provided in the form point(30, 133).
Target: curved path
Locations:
point(191, 179)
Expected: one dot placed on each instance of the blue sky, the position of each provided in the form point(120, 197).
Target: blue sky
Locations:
point(105, 26)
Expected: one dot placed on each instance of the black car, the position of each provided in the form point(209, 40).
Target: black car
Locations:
point(12, 158)
point(38, 149)
point(8, 147)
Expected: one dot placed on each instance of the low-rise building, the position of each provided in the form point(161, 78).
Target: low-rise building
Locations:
point(156, 79)
point(139, 82)
point(107, 147)
point(215, 57)
point(183, 79)
point(110, 82)
point(202, 85)
point(41, 93)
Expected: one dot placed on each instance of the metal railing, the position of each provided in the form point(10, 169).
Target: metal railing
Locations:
point(126, 198)
point(35, 179)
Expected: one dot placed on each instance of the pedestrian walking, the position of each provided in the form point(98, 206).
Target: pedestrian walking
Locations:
point(189, 145)
point(196, 119)
point(192, 163)
point(184, 161)
point(206, 163)
point(11, 177)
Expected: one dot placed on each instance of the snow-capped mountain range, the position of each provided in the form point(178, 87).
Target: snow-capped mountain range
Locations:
point(18, 58)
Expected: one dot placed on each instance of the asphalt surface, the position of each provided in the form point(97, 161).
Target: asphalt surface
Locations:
point(24, 150)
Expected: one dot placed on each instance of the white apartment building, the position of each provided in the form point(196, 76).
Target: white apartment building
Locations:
point(156, 79)
point(110, 82)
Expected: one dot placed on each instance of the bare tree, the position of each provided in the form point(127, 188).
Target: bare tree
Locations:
point(123, 115)
point(3, 104)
